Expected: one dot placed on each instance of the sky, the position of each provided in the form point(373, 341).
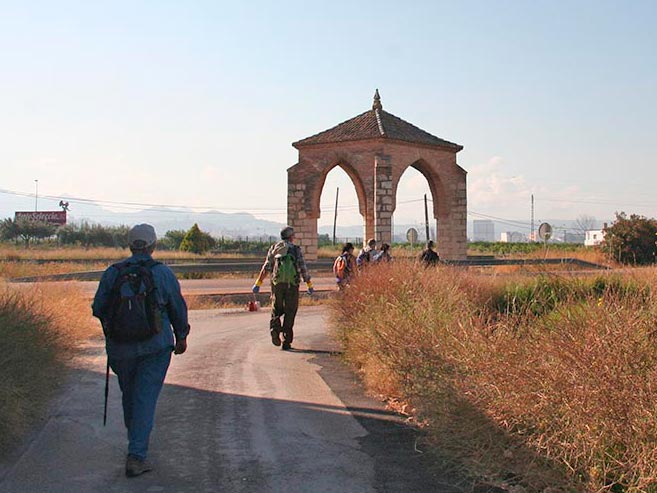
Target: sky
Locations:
point(196, 103)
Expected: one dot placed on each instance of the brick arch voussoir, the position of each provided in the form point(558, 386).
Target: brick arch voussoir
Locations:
point(315, 193)
point(438, 193)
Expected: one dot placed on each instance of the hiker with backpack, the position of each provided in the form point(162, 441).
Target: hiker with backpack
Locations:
point(287, 267)
point(144, 319)
point(345, 266)
point(383, 255)
point(428, 257)
point(366, 254)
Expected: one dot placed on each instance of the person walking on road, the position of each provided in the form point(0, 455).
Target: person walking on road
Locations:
point(285, 264)
point(429, 257)
point(344, 266)
point(366, 254)
point(383, 255)
point(138, 302)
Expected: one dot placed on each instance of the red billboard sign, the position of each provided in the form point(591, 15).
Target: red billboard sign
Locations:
point(57, 218)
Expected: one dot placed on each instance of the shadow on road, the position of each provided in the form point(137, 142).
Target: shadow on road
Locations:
point(208, 441)
point(315, 351)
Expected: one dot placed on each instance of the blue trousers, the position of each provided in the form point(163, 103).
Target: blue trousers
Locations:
point(141, 380)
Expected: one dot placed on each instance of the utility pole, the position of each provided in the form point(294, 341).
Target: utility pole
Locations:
point(36, 196)
point(335, 217)
point(532, 238)
point(426, 217)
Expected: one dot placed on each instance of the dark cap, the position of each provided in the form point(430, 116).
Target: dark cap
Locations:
point(287, 232)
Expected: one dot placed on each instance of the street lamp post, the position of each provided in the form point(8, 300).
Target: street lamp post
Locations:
point(36, 196)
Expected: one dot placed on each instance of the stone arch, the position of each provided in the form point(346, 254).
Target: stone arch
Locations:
point(374, 149)
point(439, 197)
point(438, 194)
point(316, 193)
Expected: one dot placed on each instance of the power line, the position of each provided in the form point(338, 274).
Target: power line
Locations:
point(84, 200)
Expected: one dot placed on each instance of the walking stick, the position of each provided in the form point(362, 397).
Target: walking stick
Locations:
point(106, 392)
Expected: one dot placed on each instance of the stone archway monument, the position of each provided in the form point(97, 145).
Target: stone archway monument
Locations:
point(374, 149)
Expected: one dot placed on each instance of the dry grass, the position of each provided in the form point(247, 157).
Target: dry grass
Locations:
point(11, 270)
point(9, 253)
point(549, 381)
point(39, 331)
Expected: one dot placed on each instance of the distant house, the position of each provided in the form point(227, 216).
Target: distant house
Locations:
point(594, 237)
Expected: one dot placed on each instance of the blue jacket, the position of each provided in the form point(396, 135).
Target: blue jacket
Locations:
point(174, 315)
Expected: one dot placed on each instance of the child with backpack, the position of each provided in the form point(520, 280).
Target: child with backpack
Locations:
point(366, 254)
point(142, 311)
point(383, 255)
point(287, 267)
point(344, 266)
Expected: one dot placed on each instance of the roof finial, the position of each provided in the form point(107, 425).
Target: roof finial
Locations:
point(377, 101)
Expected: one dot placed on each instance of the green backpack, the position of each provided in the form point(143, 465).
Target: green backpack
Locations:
point(285, 270)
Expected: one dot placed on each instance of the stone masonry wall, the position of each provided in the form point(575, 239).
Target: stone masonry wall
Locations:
point(375, 167)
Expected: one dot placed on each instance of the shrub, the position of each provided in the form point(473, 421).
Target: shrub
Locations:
point(172, 240)
point(631, 240)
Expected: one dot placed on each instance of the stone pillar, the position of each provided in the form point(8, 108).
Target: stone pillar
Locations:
point(383, 199)
point(305, 226)
point(451, 232)
point(368, 221)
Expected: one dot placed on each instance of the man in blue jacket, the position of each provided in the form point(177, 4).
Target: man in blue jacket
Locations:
point(141, 364)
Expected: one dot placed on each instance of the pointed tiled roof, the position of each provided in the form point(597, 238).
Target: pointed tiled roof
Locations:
point(376, 123)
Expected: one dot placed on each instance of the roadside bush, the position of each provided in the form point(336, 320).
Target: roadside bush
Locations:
point(548, 381)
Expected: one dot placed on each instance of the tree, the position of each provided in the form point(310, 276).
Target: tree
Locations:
point(631, 240)
point(88, 235)
point(30, 230)
point(197, 241)
point(584, 223)
point(172, 239)
point(8, 229)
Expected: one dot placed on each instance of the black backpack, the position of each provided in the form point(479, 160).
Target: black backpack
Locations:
point(134, 313)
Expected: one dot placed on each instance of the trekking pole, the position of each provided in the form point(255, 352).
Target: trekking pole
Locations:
point(106, 392)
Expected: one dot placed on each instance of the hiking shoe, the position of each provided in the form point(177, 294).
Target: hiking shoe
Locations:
point(275, 338)
point(286, 346)
point(134, 466)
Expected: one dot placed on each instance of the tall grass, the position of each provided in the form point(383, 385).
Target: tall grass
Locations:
point(549, 381)
point(53, 252)
point(39, 330)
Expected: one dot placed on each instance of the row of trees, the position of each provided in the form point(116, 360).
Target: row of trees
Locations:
point(89, 235)
point(629, 239)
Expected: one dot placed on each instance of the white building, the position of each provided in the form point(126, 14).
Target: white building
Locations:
point(594, 237)
point(483, 230)
point(513, 237)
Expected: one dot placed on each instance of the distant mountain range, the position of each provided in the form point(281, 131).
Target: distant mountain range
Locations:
point(243, 224)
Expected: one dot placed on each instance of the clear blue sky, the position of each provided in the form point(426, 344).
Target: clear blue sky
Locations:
point(196, 103)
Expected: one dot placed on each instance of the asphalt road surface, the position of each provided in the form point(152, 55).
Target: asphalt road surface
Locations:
point(236, 415)
point(215, 286)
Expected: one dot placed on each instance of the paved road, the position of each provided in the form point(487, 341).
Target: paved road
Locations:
point(236, 415)
point(214, 286)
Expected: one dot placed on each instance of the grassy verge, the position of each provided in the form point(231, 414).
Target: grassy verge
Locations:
point(542, 382)
point(39, 330)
